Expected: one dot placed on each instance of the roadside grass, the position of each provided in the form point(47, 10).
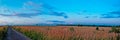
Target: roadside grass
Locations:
point(3, 32)
point(31, 34)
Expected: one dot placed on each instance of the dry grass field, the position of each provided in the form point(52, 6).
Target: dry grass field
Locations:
point(67, 33)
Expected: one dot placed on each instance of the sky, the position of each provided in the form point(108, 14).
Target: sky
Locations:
point(28, 12)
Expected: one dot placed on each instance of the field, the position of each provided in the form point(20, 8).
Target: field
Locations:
point(67, 33)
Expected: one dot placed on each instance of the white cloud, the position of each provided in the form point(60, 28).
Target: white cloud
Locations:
point(19, 20)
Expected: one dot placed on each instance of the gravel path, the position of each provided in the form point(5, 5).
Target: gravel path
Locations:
point(14, 35)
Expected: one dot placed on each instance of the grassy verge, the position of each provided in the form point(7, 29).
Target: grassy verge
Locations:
point(3, 32)
point(31, 34)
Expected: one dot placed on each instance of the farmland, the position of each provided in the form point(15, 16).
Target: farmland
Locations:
point(68, 33)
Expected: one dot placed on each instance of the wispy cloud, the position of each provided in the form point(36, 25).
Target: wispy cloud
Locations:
point(113, 14)
point(56, 22)
point(31, 9)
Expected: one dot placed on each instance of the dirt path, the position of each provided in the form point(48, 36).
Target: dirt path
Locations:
point(14, 35)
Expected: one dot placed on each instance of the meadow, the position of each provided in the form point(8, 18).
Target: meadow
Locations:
point(69, 33)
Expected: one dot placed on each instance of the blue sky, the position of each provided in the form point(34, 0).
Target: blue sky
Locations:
point(105, 12)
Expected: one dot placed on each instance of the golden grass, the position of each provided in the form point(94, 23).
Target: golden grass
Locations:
point(77, 33)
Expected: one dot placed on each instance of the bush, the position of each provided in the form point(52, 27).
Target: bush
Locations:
point(71, 29)
point(97, 28)
point(115, 29)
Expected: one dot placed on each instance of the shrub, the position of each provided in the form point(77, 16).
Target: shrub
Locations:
point(71, 29)
point(115, 29)
point(97, 28)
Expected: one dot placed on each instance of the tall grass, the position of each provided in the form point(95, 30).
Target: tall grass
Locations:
point(3, 32)
point(67, 33)
point(117, 31)
point(31, 34)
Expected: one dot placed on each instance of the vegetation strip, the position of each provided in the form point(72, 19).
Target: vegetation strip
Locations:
point(31, 34)
point(3, 31)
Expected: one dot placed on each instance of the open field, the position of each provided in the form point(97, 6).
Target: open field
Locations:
point(67, 33)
